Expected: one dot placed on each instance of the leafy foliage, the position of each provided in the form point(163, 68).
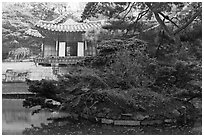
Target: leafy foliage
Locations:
point(152, 72)
point(20, 53)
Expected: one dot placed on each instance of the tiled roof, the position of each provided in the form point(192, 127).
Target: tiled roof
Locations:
point(77, 27)
point(34, 33)
point(66, 24)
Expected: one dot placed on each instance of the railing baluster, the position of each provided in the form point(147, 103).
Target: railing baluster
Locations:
point(60, 60)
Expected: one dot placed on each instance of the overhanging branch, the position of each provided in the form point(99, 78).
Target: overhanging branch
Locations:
point(123, 10)
point(129, 10)
point(141, 14)
point(156, 14)
point(166, 17)
point(189, 22)
point(162, 24)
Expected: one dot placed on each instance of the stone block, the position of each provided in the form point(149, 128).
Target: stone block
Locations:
point(106, 121)
point(139, 117)
point(176, 113)
point(126, 122)
point(168, 120)
point(151, 122)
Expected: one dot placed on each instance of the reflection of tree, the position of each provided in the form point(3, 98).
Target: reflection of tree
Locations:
point(12, 116)
point(13, 113)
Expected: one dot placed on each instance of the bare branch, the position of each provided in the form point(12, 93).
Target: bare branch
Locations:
point(189, 22)
point(151, 28)
point(166, 17)
point(123, 10)
point(141, 14)
point(129, 10)
point(162, 24)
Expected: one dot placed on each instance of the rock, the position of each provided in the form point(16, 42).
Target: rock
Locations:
point(53, 102)
point(127, 115)
point(56, 103)
point(139, 117)
point(106, 121)
point(168, 121)
point(35, 108)
point(62, 123)
point(85, 116)
point(126, 122)
point(151, 122)
point(100, 115)
point(176, 113)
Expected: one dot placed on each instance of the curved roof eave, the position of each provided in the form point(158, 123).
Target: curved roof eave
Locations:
point(34, 33)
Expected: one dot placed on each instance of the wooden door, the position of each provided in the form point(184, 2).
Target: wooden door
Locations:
point(62, 49)
point(80, 49)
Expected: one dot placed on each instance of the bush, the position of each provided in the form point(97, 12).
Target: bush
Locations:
point(123, 78)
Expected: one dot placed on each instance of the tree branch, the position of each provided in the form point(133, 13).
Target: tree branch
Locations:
point(162, 24)
point(141, 14)
point(189, 22)
point(129, 10)
point(151, 28)
point(123, 10)
point(156, 14)
point(169, 33)
point(166, 17)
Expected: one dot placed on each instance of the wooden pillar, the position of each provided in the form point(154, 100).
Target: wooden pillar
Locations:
point(56, 48)
point(85, 48)
point(42, 49)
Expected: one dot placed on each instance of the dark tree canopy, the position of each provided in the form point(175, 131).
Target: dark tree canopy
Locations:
point(178, 14)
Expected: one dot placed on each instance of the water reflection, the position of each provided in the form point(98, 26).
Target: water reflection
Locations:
point(18, 120)
point(15, 118)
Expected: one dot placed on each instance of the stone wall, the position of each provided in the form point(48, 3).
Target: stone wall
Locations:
point(12, 76)
point(33, 72)
point(36, 73)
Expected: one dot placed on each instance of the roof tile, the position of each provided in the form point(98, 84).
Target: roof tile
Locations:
point(61, 25)
point(34, 33)
point(66, 27)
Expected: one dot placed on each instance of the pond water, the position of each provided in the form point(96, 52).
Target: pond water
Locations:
point(15, 118)
point(18, 120)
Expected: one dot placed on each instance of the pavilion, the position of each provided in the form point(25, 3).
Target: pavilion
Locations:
point(63, 40)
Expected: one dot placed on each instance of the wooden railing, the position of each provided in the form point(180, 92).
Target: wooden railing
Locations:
point(59, 60)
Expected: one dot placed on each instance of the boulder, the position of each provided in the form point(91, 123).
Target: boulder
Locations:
point(169, 120)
